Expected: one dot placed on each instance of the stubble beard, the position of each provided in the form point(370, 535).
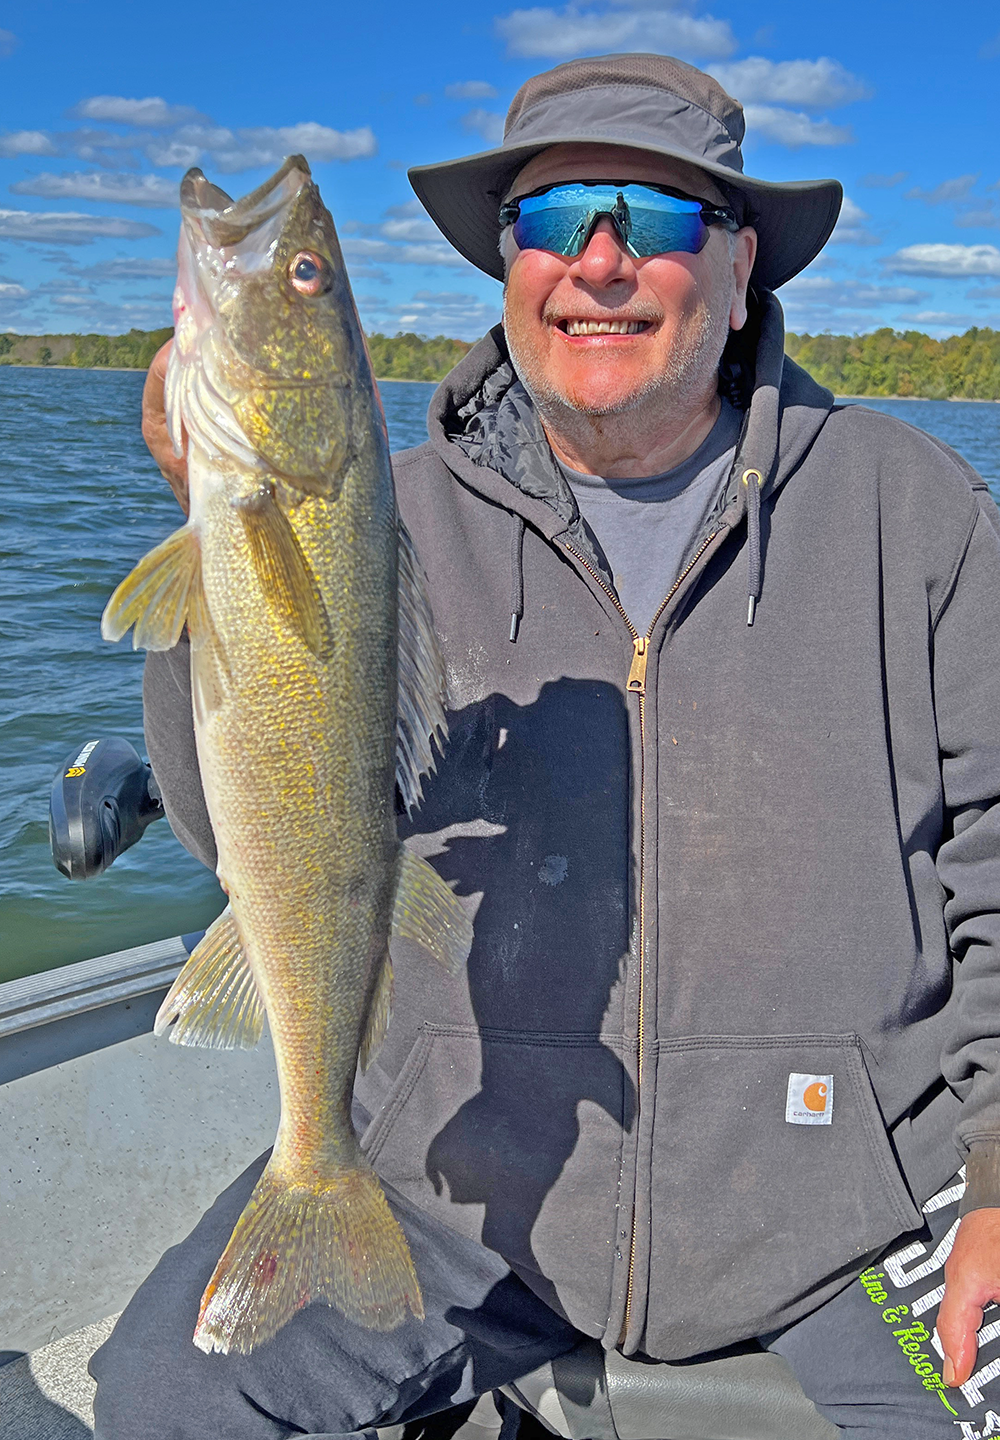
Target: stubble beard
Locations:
point(689, 375)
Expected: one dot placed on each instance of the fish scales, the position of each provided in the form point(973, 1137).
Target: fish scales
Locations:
point(312, 652)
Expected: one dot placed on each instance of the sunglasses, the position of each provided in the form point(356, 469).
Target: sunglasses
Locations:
point(651, 219)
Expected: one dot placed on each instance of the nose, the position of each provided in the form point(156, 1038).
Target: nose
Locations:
point(604, 259)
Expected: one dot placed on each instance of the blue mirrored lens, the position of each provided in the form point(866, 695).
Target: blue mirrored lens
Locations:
point(562, 218)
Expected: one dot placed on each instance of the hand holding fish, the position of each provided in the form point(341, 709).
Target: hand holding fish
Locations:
point(173, 467)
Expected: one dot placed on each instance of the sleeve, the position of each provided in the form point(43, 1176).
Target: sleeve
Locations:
point(169, 726)
point(966, 649)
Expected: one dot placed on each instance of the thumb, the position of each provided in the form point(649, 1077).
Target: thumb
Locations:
point(958, 1320)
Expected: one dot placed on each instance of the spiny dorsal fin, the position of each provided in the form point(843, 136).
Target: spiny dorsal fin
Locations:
point(428, 912)
point(163, 591)
point(283, 570)
point(378, 1015)
point(422, 685)
point(214, 1000)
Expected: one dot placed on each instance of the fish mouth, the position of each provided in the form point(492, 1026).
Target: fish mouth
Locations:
point(225, 222)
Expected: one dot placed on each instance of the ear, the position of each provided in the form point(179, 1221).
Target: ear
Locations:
point(743, 255)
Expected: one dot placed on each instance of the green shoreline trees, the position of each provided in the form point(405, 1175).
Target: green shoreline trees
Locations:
point(402, 357)
point(886, 362)
point(905, 363)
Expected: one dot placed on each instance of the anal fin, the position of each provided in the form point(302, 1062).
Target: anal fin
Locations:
point(379, 1013)
point(426, 911)
point(162, 592)
point(214, 1000)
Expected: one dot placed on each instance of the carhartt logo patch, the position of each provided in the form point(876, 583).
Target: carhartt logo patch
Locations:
point(810, 1100)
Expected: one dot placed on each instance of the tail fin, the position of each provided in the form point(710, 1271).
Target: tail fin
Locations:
point(337, 1241)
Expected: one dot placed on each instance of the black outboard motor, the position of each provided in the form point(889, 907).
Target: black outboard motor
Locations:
point(102, 799)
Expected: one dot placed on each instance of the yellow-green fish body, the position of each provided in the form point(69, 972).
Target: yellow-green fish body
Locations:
point(299, 592)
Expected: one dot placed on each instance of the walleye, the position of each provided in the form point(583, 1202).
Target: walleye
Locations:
point(317, 686)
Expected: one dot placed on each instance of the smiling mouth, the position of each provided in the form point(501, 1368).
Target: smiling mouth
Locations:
point(603, 327)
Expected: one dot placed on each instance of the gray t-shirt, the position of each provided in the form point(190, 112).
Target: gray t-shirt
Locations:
point(647, 527)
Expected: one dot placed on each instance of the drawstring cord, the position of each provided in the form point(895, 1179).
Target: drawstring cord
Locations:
point(753, 480)
point(516, 575)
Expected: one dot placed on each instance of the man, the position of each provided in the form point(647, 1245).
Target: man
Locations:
point(728, 798)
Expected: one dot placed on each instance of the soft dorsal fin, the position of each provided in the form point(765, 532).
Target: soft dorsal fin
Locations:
point(422, 685)
point(214, 1000)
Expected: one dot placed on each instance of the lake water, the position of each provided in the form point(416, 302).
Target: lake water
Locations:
point(80, 502)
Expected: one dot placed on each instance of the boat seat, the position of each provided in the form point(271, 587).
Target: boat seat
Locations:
point(746, 1394)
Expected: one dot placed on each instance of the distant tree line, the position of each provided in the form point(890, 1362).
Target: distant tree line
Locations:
point(903, 362)
point(887, 362)
point(400, 357)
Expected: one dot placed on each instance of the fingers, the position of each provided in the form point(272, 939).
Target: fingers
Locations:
point(972, 1280)
point(154, 428)
point(958, 1320)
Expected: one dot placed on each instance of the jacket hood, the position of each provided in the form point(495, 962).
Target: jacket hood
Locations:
point(484, 426)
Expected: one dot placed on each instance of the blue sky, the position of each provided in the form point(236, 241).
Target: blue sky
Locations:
point(104, 104)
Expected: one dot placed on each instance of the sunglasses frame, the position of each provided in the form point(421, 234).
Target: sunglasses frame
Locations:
point(722, 215)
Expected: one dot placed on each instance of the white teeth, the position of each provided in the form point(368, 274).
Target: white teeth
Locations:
point(604, 327)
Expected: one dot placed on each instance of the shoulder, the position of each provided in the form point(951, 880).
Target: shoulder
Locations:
point(912, 467)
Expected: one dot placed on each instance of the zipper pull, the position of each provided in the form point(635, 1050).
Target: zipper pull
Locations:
point(637, 672)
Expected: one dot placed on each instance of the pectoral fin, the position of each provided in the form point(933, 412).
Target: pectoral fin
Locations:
point(422, 684)
point(428, 912)
point(283, 571)
point(162, 592)
point(214, 1000)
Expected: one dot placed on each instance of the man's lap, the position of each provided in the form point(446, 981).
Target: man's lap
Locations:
point(320, 1374)
point(868, 1363)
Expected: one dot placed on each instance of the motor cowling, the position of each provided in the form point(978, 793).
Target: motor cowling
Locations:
point(103, 798)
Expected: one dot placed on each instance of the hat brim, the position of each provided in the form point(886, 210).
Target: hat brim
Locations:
point(793, 218)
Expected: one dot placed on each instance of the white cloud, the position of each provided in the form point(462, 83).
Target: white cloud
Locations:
point(464, 317)
point(945, 317)
point(945, 261)
point(575, 30)
point(69, 229)
point(266, 145)
point(116, 108)
point(8, 43)
point(130, 268)
point(9, 290)
point(823, 290)
point(384, 252)
point(27, 142)
point(793, 127)
point(471, 90)
point(874, 181)
point(414, 229)
point(485, 123)
point(851, 227)
point(169, 152)
point(812, 83)
point(979, 216)
point(149, 191)
point(948, 190)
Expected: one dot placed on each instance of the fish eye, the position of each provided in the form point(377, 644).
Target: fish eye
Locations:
point(308, 273)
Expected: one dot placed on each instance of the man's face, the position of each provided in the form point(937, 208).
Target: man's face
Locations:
point(684, 304)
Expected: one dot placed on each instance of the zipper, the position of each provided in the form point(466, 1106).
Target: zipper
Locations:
point(636, 685)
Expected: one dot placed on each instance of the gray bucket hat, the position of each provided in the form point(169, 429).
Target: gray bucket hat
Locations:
point(650, 102)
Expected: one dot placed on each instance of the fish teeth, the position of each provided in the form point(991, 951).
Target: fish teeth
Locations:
point(604, 327)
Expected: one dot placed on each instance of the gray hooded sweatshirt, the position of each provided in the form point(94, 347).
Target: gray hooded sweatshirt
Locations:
point(735, 986)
